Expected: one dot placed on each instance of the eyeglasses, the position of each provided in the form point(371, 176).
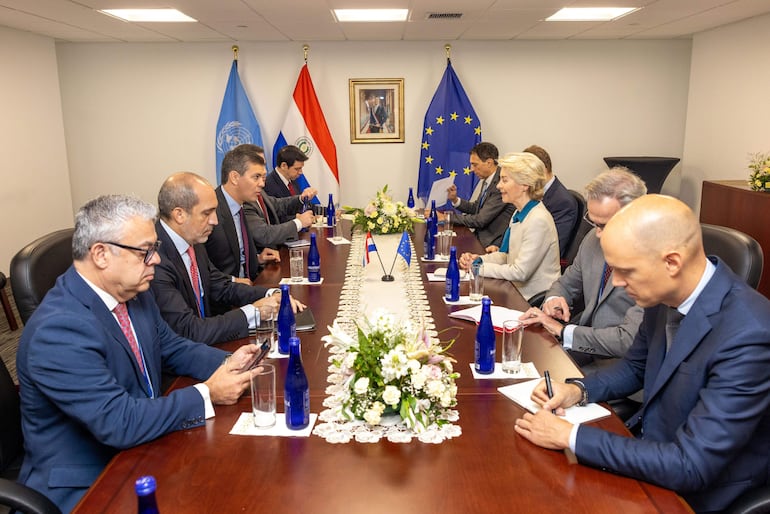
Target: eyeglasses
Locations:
point(149, 253)
point(598, 226)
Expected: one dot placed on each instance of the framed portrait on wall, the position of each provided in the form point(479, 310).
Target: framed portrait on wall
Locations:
point(376, 110)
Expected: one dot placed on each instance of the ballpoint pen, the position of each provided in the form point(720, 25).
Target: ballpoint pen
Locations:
point(549, 387)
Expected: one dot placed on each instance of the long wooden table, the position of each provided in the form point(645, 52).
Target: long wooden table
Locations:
point(487, 469)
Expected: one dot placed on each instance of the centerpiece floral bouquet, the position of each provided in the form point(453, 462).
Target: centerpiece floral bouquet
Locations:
point(759, 178)
point(391, 370)
point(383, 216)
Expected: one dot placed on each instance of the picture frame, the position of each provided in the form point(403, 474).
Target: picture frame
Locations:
point(376, 110)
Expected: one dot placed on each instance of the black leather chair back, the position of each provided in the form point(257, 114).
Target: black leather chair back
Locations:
point(10, 421)
point(581, 229)
point(739, 251)
point(35, 268)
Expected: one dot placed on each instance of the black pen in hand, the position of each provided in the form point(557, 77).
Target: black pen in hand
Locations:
point(549, 387)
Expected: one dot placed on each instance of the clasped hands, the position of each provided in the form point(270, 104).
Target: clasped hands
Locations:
point(555, 312)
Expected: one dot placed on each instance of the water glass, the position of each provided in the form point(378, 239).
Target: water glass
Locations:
point(296, 264)
point(337, 231)
point(476, 276)
point(266, 326)
point(443, 243)
point(513, 333)
point(448, 221)
point(263, 395)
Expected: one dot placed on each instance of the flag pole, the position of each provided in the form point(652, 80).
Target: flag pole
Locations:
point(448, 49)
point(235, 52)
point(387, 277)
point(305, 49)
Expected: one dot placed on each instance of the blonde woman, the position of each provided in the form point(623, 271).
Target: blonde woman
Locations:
point(529, 253)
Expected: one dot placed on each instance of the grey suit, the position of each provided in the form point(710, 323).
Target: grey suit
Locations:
point(608, 324)
point(488, 215)
point(274, 234)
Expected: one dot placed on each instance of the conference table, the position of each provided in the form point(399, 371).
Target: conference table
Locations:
point(489, 468)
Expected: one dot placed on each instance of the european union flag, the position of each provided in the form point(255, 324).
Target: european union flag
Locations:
point(451, 129)
point(237, 123)
point(404, 248)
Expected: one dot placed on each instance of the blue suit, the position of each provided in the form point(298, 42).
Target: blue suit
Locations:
point(705, 422)
point(83, 395)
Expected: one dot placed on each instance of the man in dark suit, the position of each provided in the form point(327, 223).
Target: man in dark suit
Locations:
point(266, 227)
point(609, 320)
point(702, 354)
point(186, 284)
point(230, 245)
point(485, 213)
point(282, 182)
point(90, 358)
point(558, 200)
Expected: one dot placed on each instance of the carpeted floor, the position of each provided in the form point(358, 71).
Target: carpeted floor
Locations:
point(9, 341)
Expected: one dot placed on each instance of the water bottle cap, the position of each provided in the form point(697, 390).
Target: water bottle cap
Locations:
point(294, 341)
point(312, 237)
point(452, 249)
point(285, 287)
point(145, 485)
point(485, 301)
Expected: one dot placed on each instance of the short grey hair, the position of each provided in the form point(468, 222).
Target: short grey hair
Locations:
point(618, 183)
point(104, 219)
point(178, 191)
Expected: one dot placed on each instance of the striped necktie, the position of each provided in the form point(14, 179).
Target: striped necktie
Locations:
point(124, 321)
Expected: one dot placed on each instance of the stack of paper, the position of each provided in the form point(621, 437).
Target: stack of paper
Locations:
point(521, 393)
point(499, 315)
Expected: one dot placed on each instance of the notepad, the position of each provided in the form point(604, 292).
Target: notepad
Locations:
point(499, 315)
point(521, 393)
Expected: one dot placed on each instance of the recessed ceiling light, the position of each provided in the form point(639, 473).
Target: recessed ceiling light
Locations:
point(149, 15)
point(590, 13)
point(344, 15)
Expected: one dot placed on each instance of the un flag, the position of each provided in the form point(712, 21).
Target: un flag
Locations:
point(450, 130)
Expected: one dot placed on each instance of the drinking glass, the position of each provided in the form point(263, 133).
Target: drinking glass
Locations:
point(513, 332)
point(475, 274)
point(443, 243)
point(296, 264)
point(266, 327)
point(448, 221)
point(263, 395)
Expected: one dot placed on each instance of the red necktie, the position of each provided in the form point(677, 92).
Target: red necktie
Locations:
point(292, 191)
point(245, 238)
point(195, 276)
point(125, 325)
point(264, 208)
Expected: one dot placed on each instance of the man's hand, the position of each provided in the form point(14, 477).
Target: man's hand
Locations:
point(273, 301)
point(269, 255)
point(231, 379)
point(557, 307)
point(296, 305)
point(308, 193)
point(451, 193)
point(534, 315)
point(544, 429)
point(466, 259)
point(307, 218)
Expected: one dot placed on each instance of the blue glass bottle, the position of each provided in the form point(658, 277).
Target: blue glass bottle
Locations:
point(452, 293)
point(287, 326)
point(330, 212)
point(410, 200)
point(485, 340)
point(296, 392)
point(145, 495)
point(313, 261)
point(433, 226)
point(429, 243)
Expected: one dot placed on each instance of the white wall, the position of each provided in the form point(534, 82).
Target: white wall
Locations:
point(35, 194)
point(728, 116)
point(134, 113)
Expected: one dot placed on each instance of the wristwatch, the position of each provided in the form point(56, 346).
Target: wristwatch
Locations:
point(584, 398)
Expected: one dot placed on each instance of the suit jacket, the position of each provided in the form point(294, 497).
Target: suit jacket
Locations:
point(277, 232)
point(532, 260)
point(179, 306)
point(223, 247)
point(608, 324)
point(491, 219)
point(275, 187)
point(564, 210)
point(705, 419)
point(83, 396)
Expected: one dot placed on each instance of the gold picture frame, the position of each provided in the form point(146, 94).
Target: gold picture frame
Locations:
point(376, 110)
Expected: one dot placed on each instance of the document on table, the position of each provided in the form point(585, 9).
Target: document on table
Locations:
point(521, 393)
point(499, 315)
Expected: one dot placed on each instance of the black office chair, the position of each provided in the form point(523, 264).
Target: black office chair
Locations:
point(578, 233)
point(739, 251)
point(16, 496)
point(536, 300)
point(756, 501)
point(35, 268)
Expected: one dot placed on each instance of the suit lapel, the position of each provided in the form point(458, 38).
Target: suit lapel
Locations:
point(169, 252)
point(228, 225)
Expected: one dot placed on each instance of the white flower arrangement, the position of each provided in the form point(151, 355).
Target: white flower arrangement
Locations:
point(391, 369)
point(759, 176)
point(384, 216)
